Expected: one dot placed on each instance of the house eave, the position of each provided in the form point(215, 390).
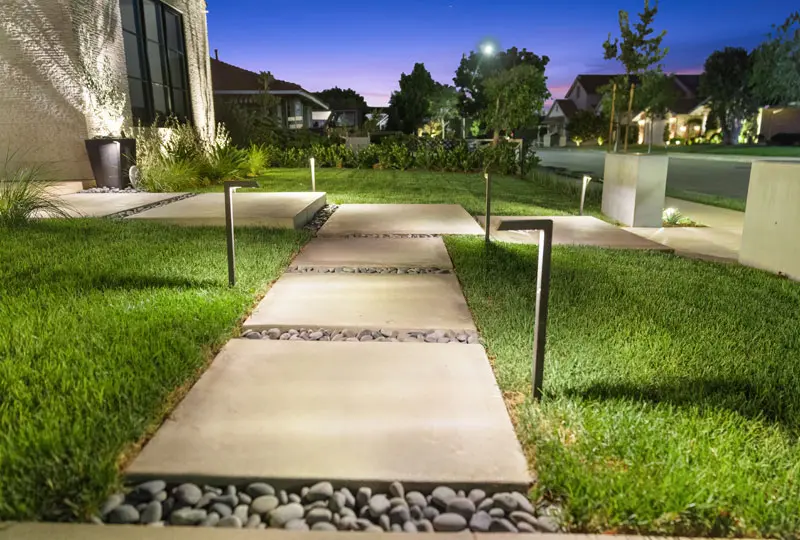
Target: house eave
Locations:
point(300, 93)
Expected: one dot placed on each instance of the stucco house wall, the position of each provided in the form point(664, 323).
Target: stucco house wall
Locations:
point(46, 49)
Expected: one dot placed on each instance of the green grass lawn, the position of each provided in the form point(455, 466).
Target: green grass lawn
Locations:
point(541, 194)
point(672, 386)
point(103, 323)
point(711, 200)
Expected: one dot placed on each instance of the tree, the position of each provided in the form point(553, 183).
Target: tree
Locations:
point(476, 68)
point(339, 99)
point(638, 49)
point(586, 125)
point(516, 96)
point(726, 84)
point(444, 105)
point(410, 105)
point(776, 65)
point(658, 95)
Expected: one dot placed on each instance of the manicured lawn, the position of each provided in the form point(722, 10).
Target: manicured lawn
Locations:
point(541, 195)
point(672, 387)
point(711, 200)
point(104, 322)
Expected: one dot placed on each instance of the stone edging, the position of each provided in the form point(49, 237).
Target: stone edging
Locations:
point(367, 270)
point(365, 335)
point(357, 235)
point(140, 209)
point(321, 217)
point(320, 507)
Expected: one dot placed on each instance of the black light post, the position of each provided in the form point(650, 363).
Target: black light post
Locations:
point(230, 187)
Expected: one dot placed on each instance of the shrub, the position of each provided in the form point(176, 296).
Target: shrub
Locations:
point(255, 160)
point(24, 195)
point(165, 175)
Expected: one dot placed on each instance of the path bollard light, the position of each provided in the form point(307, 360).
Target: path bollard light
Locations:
point(586, 180)
point(488, 179)
point(312, 163)
point(230, 187)
point(545, 228)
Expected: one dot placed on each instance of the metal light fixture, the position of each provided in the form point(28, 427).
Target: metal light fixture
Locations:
point(230, 187)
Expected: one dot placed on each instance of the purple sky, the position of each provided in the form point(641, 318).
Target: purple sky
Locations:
point(367, 45)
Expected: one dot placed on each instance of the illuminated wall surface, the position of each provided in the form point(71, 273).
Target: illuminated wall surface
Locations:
point(62, 63)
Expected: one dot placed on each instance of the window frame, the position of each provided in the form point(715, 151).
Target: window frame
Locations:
point(168, 83)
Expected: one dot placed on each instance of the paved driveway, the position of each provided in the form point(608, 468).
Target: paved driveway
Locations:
point(725, 178)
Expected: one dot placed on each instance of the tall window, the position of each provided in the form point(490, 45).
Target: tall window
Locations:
point(155, 54)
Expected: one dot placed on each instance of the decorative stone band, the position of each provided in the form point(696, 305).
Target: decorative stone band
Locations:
point(132, 211)
point(390, 236)
point(319, 219)
point(320, 507)
point(363, 335)
point(368, 270)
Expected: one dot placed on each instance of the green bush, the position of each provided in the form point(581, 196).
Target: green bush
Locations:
point(24, 195)
point(255, 160)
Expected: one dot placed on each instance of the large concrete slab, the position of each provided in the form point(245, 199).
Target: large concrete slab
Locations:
point(278, 210)
point(377, 252)
point(369, 413)
point(105, 204)
point(352, 219)
point(395, 302)
point(573, 231)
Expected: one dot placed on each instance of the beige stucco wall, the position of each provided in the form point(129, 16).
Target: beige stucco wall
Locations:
point(771, 222)
point(46, 110)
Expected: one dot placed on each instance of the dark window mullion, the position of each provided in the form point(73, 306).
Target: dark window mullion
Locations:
point(144, 61)
point(166, 75)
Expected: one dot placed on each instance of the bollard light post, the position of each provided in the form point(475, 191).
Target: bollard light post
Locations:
point(545, 228)
point(586, 180)
point(312, 163)
point(230, 187)
point(487, 226)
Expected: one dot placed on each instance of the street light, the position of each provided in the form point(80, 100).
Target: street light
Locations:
point(487, 49)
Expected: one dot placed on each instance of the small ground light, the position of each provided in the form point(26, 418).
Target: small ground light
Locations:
point(586, 180)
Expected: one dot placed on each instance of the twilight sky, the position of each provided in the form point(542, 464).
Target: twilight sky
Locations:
point(366, 45)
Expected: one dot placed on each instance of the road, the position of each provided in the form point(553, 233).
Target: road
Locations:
point(724, 178)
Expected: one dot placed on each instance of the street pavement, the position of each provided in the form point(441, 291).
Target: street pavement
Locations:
point(712, 177)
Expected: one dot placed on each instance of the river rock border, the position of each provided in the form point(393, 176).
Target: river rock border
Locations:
point(140, 209)
point(368, 270)
point(128, 189)
point(321, 217)
point(392, 235)
point(321, 507)
point(365, 335)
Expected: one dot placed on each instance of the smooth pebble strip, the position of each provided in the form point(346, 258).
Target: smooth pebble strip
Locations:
point(365, 335)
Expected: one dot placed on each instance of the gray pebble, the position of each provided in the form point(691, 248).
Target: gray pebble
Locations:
point(205, 500)
point(123, 515)
point(320, 491)
point(378, 505)
point(497, 513)
point(145, 491)
point(518, 516)
point(314, 336)
point(319, 514)
point(187, 494)
point(230, 500)
point(363, 495)
point(337, 502)
point(502, 525)
point(486, 504)
point(363, 523)
point(264, 504)
point(441, 496)
point(396, 527)
point(346, 511)
point(230, 522)
point(523, 503)
point(416, 513)
point(477, 496)
point(397, 501)
point(396, 489)
point(462, 506)
point(273, 333)
point(430, 512)
point(230, 490)
point(162, 496)
point(283, 497)
point(223, 510)
point(152, 512)
point(252, 335)
point(295, 498)
point(296, 525)
point(242, 512)
point(399, 514)
point(347, 523)
point(506, 501)
point(449, 522)
point(366, 338)
point(323, 526)
point(409, 527)
point(211, 520)
point(336, 520)
point(385, 522)
point(415, 498)
point(480, 522)
point(244, 498)
point(524, 527)
point(253, 522)
point(363, 512)
point(547, 524)
point(284, 514)
point(112, 502)
point(187, 516)
point(212, 489)
point(285, 336)
point(259, 489)
point(425, 525)
point(168, 505)
point(316, 504)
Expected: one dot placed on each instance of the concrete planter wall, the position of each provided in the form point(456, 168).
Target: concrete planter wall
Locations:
point(634, 186)
point(772, 220)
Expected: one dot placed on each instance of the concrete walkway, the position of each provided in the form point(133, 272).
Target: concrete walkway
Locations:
point(105, 204)
point(352, 412)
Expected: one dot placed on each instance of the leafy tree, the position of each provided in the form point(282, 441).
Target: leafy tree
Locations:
point(638, 49)
point(586, 125)
point(410, 105)
point(475, 69)
point(444, 106)
point(516, 96)
point(268, 103)
point(776, 65)
point(657, 94)
point(339, 99)
point(726, 84)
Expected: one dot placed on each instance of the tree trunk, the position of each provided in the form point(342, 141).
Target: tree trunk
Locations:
point(650, 138)
point(496, 138)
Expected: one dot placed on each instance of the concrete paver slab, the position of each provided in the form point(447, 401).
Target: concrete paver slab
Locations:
point(396, 302)
point(364, 413)
point(279, 210)
point(105, 204)
point(400, 219)
point(377, 252)
point(574, 230)
point(705, 242)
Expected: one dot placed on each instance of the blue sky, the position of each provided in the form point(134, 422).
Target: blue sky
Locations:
point(367, 45)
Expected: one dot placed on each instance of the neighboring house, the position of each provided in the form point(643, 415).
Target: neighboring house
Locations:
point(557, 120)
point(61, 61)
point(243, 86)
